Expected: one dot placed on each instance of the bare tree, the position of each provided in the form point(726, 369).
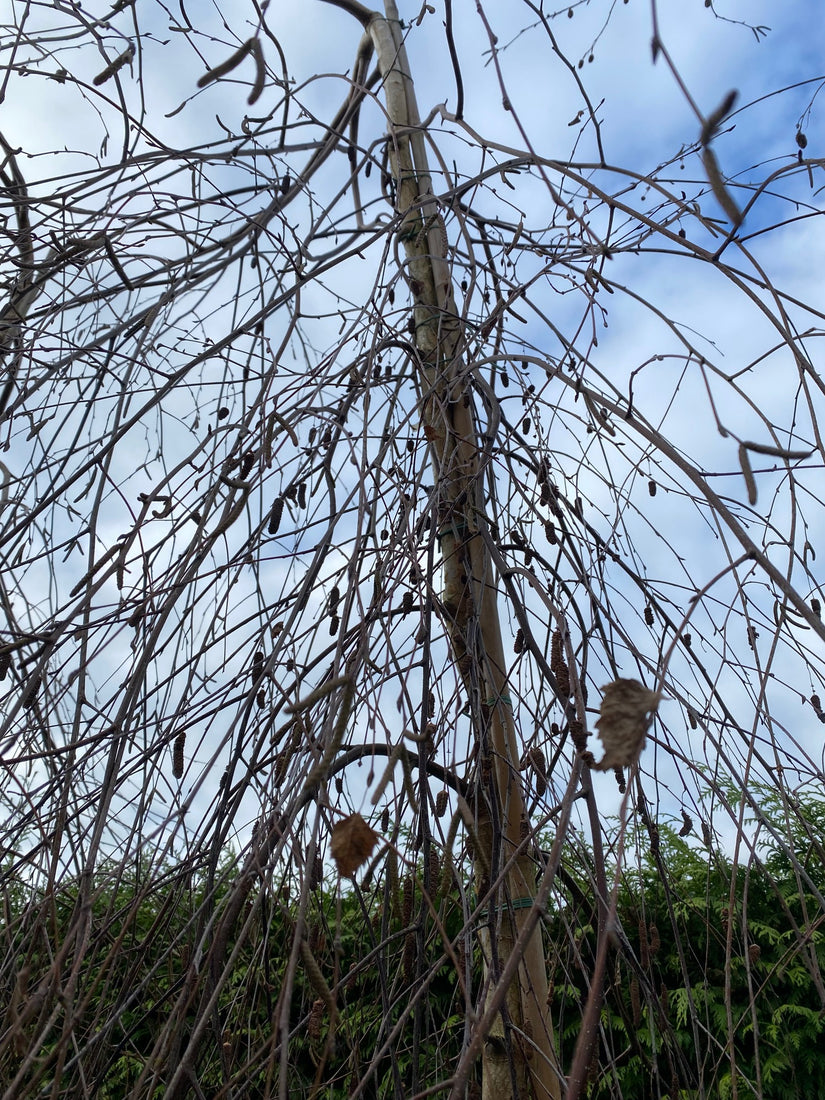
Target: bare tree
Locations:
point(335, 519)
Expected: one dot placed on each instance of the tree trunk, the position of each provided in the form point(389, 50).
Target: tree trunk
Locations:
point(519, 1056)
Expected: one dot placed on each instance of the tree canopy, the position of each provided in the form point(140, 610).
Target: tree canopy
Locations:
point(411, 473)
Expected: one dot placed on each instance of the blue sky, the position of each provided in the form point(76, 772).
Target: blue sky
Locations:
point(648, 127)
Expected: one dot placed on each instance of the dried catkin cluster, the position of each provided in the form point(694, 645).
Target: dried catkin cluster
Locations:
point(623, 720)
point(177, 754)
point(558, 665)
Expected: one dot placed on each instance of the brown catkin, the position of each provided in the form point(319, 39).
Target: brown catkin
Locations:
point(315, 1017)
point(275, 516)
point(538, 761)
point(406, 910)
point(5, 664)
point(441, 800)
point(288, 751)
point(334, 599)
point(30, 694)
point(122, 59)
point(226, 66)
point(518, 645)
point(538, 764)
point(257, 665)
point(434, 870)
point(644, 956)
point(461, 955)
point(281, 763)
point(316, 873)
point(177, 755)
point(711, 124)
point(717, 184)
point(408, 960)
point(655, 942)
point(649, 615)
point(558, 665)
point(385, 819)
point(578, 735)
point(316, 939)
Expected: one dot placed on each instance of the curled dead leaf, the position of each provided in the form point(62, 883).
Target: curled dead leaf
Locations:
point(624, 717)
point(351, 844)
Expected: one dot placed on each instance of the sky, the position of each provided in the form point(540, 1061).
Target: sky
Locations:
point(770, 53)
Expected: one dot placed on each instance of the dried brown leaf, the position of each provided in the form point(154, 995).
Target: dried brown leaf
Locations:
point(352, 844)
point(623, 720)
